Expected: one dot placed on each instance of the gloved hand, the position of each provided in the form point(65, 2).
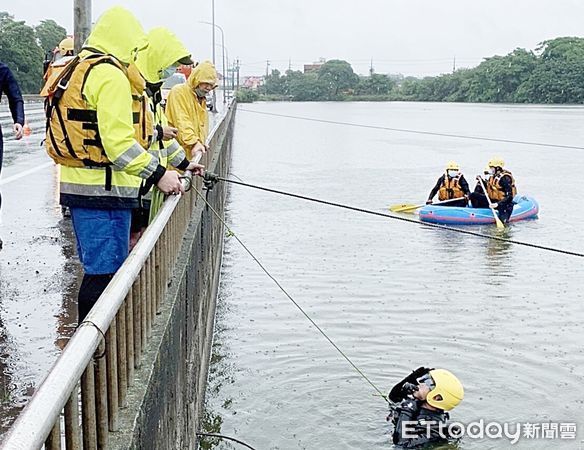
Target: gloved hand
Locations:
point(428, 202)
point(396, 394)
point(408, 407)
point(494, 205)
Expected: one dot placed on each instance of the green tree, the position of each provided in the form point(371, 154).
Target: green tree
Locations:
point(338, 76)
point(275, 84)
point(49, 33)
point(559, 74)
point(376, 84)
point(309, 87)
point(19, 51)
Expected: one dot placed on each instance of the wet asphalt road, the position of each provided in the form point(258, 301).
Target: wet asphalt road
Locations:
point(38, 268)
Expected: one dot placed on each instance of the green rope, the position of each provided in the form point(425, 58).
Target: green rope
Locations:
point(231, 233)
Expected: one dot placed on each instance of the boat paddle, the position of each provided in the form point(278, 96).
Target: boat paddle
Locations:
point(495, 215)
point(406, 207)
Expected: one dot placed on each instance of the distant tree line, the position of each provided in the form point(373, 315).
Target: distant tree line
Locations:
point(554, 73)
point(23, 49)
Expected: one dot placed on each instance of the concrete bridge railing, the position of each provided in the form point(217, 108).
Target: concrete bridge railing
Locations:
point(134, 373)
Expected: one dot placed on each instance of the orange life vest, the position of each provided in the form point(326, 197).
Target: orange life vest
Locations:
point(72, 130)
point(496, 193)
point(450, 188)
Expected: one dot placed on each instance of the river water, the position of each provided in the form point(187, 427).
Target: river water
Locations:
point(506, 319)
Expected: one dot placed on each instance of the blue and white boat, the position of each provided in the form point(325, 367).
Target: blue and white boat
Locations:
point(525, 208)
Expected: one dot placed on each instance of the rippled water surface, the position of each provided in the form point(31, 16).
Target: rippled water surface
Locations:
point(393, 295)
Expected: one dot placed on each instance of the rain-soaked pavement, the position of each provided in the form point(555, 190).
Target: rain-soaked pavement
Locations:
point(39, 271)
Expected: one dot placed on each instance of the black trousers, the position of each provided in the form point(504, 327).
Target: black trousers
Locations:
point(504, 209)
point(91, 288)
point(478, 200)
point(463, 202)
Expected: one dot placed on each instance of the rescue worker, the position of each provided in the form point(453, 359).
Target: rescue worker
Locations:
point(425, 397)
point(60, 57)
point(65, 49)
point(478, 198)
point(9, 86)
point(164, 54)
point(501, 189)
point(451, 185)
point(102, 162)
point(186, 108)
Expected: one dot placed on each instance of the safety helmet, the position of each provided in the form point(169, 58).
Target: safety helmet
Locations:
point(452, 165)
point(447, 392)
point(66, 45)
point(496, 162)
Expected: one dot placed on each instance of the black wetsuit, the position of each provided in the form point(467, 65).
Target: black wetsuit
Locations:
point(463, 187)
point(415, 426)
point(478, 198)
point(505, 206)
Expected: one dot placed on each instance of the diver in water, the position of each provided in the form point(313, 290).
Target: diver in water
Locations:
point(423, 399)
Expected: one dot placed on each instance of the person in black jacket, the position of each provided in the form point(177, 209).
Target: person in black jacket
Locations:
point(9, 86)
point(450, 186)
point(424, 396)
point(501, 189)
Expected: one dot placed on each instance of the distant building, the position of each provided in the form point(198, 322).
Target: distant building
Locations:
point(314, 67)
point(253, 82)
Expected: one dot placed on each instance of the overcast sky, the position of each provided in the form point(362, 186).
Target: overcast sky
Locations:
point(413, 37)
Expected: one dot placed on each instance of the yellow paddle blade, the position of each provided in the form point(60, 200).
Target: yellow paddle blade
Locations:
point(404, 207)
point(499, 223)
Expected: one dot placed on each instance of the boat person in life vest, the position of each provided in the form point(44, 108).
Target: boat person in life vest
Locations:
point(501, 189)
point(424, 398)
point(451, 185)
point(478, 198)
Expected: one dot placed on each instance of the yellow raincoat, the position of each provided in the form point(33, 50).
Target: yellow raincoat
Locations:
point(107, 91)
point(164, 50)
point(186, 111)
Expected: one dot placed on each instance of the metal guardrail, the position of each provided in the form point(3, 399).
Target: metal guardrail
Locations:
point(102, 355)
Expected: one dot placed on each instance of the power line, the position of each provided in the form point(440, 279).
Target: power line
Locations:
point(213, 177)
point(427, 133)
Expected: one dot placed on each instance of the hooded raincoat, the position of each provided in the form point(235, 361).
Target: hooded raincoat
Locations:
point(164, 50)
point(107, 91)
point(187, 112)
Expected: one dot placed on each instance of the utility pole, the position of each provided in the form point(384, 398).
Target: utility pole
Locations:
point(237, 68)
point(213, 45)
point(81, 22)
point(371, 68)
point(289, 64)
point(454, 65)
point(267, 67)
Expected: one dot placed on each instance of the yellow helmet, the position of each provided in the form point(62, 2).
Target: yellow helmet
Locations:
point(447, 392)
point(496, 162)
point(452, 165)
point(66, 45)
